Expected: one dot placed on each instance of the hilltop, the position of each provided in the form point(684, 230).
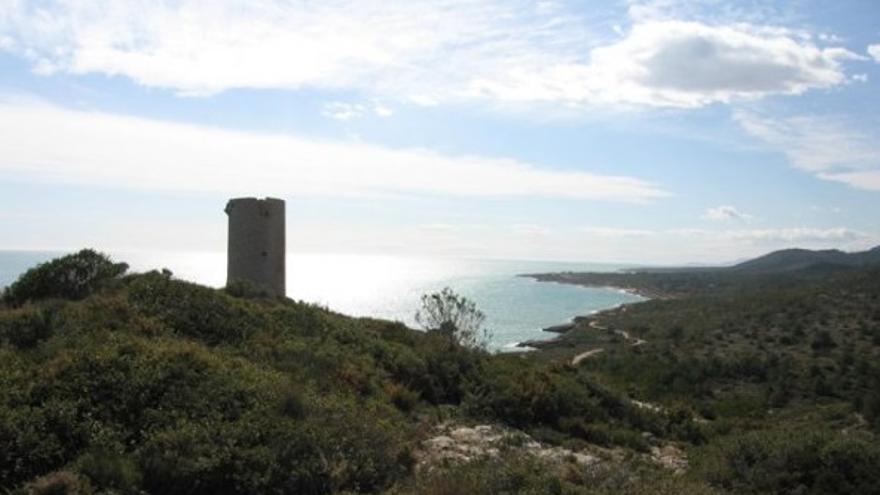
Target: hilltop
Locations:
point(783, 260)
point(778, 269)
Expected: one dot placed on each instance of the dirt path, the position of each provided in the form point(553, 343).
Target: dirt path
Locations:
point(633, 341)
point(584, 355)
point(629, 338)
point(623, 333)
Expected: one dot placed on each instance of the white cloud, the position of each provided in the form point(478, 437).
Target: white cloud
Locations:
point(381, 110)
point(340, 110)
point(865, 179)
point(531, 230)
point(831, 149)
point(420, 51)
point(689, 64)
point(795, 235)
point(726, 212)
point(685, 245)
point(874, 52)
point(613, 232)
point(440, 227)
point(47, 143)
point(783, 236)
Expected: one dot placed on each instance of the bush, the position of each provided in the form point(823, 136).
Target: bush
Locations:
point(448, 375)
point(59, 483)
point(337, 450)
point(455, 317)
point(74, 276)
point(245, 290)
point(110, 470)
point(193, 310)
point(793, 462)
point(25, 327)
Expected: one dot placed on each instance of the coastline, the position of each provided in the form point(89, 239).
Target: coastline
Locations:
point(568, 279)
point(581, 321)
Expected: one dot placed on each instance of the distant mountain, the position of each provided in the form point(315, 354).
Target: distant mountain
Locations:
point(791, 260)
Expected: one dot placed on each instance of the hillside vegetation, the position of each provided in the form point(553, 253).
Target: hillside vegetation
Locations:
point(781, 370)
point(142, 383)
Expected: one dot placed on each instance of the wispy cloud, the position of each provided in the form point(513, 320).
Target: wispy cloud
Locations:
point(782, 235)
point(340, 110)
point(794, 235)
point(531, 230)
point(420, 51)
point(48, 143)
point(682, 245)
point(614, 232)
point(829, 148)
point(874, 52)
point(726, 212)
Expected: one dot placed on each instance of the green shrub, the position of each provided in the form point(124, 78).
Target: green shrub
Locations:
point(455, 317)
point(193, 310)
point(245, 290)
point(109, 470)
point(785, 461)
point(24, 328)
point(604, 435)
point(31, 444)
point(332, 451)
point(59, 483)
point(293, 404)
point(74, 276)
point(447, 376)
point(402, 397)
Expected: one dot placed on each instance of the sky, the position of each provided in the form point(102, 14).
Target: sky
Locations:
point(637, 131)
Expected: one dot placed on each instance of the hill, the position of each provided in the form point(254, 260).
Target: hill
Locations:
point(797, 266)
point(777, 368)
point(140, 383)
point(789, 260)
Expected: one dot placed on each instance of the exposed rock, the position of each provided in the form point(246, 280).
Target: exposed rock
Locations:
point(461, 444)
point(647, 405)
point(456, 444)
point(670, 457)
point(565, 327)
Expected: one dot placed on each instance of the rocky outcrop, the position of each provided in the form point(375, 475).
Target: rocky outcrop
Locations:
point(452, 444)
point(670, 457)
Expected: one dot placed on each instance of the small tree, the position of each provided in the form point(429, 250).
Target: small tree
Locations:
point(455, 316)
point(74, 276)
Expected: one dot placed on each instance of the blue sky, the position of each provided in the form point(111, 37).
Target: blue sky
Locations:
point(636, 131)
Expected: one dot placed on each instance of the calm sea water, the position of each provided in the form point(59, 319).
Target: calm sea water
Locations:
point(516, 308)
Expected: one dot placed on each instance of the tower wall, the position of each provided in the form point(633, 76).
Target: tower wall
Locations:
point(256, 250)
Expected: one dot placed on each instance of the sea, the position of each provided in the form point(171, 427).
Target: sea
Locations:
point(390, 287)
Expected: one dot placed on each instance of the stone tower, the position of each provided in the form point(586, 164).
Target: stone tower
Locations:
point(256, 243)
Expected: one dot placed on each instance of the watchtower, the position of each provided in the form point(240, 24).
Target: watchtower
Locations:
point(256, 252)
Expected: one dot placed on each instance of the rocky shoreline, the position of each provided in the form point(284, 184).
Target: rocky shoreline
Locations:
point(578, 322)
point(583, 321)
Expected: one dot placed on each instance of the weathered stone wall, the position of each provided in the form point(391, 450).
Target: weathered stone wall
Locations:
point(256, 251)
